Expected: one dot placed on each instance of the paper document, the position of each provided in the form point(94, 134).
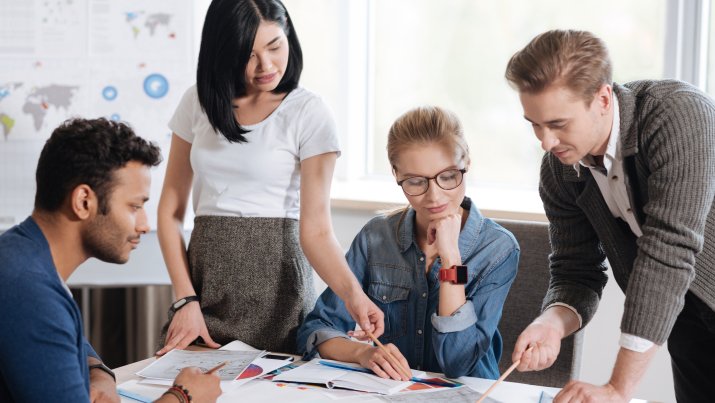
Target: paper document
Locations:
point(452, 395)
point(545, 398)
point(238, 345)
point(313, 372)
point(169, 366)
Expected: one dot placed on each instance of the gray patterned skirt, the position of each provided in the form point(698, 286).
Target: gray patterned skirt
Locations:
point(253, 281)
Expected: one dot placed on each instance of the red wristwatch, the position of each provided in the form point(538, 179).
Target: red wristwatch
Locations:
point(457, 274)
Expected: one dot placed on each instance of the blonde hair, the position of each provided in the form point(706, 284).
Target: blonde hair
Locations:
point(577, 59)
point(427, 125)
point(422, 126)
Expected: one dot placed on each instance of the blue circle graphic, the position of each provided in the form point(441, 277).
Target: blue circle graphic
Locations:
point(115, 117)
point(109, 93)
point(156, 85)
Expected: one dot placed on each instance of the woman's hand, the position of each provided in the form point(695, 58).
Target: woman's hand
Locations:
point(365, 313)
point(444, 234)
point(376, 360)
point(187, 325)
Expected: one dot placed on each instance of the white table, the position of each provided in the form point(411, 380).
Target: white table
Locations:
point(268, 392)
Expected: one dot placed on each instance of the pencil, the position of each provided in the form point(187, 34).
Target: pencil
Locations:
point(393, 361)
point(501, 378)
point(216, 368)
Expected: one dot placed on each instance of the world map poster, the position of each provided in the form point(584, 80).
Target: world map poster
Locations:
point(128, 61)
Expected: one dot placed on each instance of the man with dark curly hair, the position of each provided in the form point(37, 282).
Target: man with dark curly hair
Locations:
point(93, 178)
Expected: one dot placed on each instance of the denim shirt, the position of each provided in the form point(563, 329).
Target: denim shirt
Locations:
point(391, 267)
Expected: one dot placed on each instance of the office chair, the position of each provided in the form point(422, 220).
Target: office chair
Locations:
point(523, 305)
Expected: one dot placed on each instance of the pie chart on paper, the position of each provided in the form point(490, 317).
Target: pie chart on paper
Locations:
point(250, 371)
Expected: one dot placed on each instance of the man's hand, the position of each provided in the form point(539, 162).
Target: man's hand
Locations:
point(544, 335)
point(580, 392)
point(202, 387)
point(186, 325)
point(102, 388)
point(367, 315)
point(545, 343)
point(629, 369)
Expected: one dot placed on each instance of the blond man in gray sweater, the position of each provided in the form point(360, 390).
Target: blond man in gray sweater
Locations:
point(629, 176)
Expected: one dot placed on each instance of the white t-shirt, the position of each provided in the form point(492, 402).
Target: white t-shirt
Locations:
point(260, 178)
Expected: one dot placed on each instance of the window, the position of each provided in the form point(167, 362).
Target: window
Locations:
point(711, 54)
point(454, 54)
point(371, 60)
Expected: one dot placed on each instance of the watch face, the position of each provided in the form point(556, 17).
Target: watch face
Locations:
point(461, 274)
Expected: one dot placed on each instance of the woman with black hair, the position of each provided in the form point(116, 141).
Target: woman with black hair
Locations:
point(260, 152)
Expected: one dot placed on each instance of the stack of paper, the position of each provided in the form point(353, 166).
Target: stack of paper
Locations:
point(313, 372)
point(452, 395)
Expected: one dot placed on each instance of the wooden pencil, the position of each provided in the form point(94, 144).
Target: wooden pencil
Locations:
point(216, 368)
point(501, 378)
point(393, 361)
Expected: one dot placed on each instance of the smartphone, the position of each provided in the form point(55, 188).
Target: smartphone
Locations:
point(272, 356)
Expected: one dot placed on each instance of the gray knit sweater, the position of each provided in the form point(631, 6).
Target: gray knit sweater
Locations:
point(667, 139)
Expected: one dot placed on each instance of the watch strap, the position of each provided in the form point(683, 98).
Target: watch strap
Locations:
point(104, 368)
point(455, 274)
point(181, 302)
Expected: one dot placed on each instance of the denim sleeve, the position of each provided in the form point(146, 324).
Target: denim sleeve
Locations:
point(462, 339)
point(330, 319)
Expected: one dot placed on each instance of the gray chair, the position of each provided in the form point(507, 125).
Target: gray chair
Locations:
point(523, 304)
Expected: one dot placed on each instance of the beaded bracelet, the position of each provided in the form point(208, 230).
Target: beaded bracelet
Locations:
point(183, 391)
point(180, 393)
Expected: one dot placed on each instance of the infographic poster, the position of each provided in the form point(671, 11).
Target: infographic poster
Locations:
point(128, 61)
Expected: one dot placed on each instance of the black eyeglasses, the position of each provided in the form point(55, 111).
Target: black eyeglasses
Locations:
point(447, 180)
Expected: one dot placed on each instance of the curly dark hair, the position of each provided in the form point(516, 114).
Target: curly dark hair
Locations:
point(87, 151)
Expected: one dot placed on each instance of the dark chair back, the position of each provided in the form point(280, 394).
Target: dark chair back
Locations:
point(523, 305)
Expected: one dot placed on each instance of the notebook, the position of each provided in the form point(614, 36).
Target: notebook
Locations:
point(315, 373)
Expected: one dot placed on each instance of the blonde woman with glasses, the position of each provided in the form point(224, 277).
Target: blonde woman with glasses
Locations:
point(439, 270)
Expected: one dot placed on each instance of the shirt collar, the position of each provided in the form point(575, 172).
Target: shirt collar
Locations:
point(612, 149)
point(467, 237)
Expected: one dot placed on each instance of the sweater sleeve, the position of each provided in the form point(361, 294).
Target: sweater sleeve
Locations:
point(40, 344)
point(680, 156)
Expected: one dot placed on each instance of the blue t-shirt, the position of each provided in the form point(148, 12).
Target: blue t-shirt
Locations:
point(43, 352)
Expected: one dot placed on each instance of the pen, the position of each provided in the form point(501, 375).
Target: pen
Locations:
point(134, 396)
point(347, 367)
point(431, 381)
point(216, 368)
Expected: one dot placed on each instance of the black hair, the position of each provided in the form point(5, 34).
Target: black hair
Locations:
point(87, 151)
point(226, 45)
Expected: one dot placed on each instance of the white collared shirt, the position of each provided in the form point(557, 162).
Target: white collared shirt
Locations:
point(611, 180)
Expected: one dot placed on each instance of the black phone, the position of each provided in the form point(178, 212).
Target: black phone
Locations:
point(278, 357)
